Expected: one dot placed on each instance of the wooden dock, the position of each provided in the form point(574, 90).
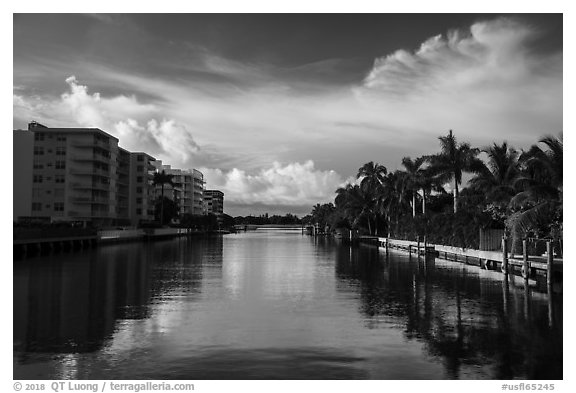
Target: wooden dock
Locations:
point(528, 265)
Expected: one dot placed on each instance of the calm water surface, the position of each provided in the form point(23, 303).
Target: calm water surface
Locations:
point(276, 305)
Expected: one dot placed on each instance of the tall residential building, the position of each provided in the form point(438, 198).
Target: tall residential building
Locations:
point(74, 174)
point(80, 174)
point(22, 174)
point(214, 202)
point(188, 188)
point(142, 195)
point(123, 182)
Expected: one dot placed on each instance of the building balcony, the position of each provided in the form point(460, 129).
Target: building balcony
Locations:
point(90, 158)
point(89, 186)
point(92, 144)
point(90, 172)
point(90, 214)
point(90, 200)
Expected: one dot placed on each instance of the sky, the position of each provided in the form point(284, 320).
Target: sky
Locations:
point(278, 111)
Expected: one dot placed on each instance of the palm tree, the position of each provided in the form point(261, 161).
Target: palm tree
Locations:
point(373, 175)
point(415, 174)
point(162, 178)
point(452, 161)
point(541, 184)
point(357, 204)
point(392, 198)
point(497, 178)
point(321, 213)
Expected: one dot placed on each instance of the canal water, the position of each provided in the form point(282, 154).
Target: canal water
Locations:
point(276, 305)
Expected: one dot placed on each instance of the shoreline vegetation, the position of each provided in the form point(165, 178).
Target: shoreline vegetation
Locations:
point(519, 192)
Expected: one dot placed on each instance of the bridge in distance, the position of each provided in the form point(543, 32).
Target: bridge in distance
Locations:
point(253, 227)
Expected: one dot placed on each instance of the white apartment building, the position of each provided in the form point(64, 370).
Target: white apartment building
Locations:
point(142, 192)
point(79, 174)
point(74, 174)
point(188, 188)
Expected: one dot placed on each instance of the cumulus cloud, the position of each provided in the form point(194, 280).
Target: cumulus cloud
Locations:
point(166, 139)
point(293, 184)
point(133, 122)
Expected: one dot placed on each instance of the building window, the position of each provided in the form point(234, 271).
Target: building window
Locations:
point(58, 192)
point(139, 179)
point(139, 190)
point(59, 179)
point(37, 179)
point(38, 151)
point(140, 168)
point(139, 200)
point(139, 158)
point(36, 206)
point(60, 165)
point(138, 211)
point(60, 151)
point(37, 165)
point(58, 207)
point(61, 138)
point(38, 136)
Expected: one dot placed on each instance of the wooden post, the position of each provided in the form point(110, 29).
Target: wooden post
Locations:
point(418, 239)
point(549, 263)
point(425, 246)
point(525, 267)
point(504, 266)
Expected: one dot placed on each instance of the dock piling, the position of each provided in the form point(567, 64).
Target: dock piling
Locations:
point(504, 266)
point(549, 263)
point(525, 263)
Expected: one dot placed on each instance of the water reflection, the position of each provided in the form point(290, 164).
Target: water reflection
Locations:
point(69, 303)
point(276, 306)
point(474, 321)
